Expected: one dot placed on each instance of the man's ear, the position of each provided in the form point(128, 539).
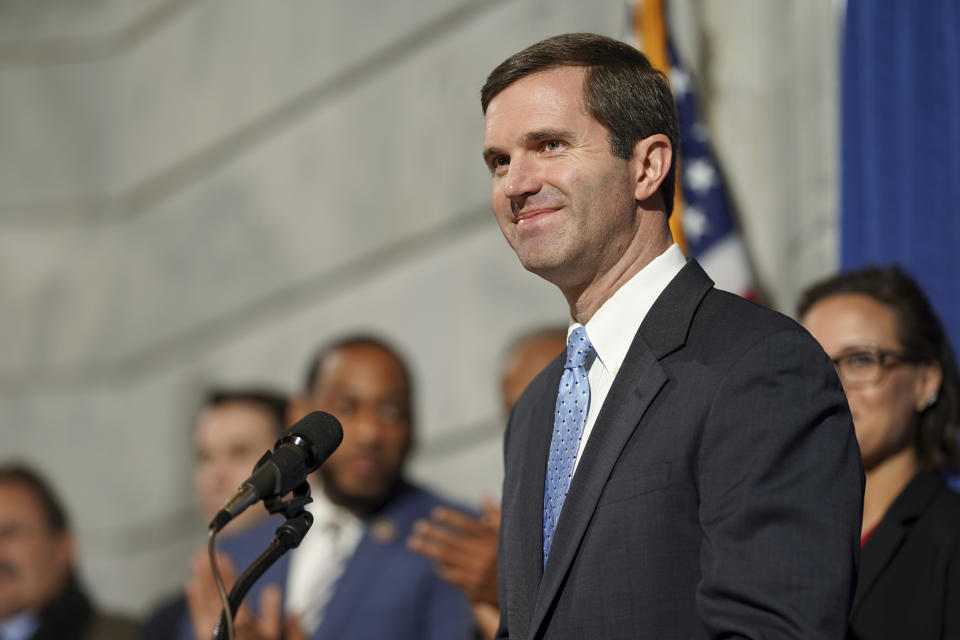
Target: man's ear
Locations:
point(298, 407)
point(651, 161)
point(65, 551)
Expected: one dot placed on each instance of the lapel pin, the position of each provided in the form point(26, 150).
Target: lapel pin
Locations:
point(383, 531)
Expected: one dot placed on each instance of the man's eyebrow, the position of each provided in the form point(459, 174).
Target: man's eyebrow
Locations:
point(490, 152)
point(547, 134)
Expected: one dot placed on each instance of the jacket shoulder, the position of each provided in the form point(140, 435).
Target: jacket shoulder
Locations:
point(110, 627)
point(414, 502)
point(727, 323)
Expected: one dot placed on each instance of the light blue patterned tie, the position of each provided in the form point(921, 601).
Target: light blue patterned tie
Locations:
point(573, 401)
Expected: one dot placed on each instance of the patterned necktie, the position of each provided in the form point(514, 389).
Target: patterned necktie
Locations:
point(573, 401)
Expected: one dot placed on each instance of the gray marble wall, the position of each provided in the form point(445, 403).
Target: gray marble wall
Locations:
point(197, 192)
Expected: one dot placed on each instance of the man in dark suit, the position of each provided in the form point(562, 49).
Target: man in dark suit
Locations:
point(689, 468)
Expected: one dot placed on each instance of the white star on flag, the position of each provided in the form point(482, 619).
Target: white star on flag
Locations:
point(700, 175)
point(699, 131)
point(679, 81)
point(695, 223)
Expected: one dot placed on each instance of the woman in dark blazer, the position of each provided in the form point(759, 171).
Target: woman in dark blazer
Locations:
point(901, 381)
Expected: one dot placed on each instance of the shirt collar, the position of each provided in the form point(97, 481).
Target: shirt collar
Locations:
point(613, 326)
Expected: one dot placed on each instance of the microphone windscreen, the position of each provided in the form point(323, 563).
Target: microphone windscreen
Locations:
point(320, 431)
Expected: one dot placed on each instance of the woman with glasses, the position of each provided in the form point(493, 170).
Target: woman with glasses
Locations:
point(901, 381)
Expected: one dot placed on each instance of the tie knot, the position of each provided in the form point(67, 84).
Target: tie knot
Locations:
point(578, 348)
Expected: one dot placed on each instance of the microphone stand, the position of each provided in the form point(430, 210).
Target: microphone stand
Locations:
point(288, 536)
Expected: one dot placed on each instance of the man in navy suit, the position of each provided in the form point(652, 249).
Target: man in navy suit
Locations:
point(353, 577)
point(688, 469)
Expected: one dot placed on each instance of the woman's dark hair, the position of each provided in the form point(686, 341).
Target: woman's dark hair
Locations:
point(921, 334)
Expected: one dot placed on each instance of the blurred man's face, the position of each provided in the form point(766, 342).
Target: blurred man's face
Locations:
point(365, 388)
point(35, 560)
point(228, 441)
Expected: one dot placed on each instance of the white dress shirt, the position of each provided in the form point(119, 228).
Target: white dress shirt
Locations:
point(320, 559)
point(614, 325)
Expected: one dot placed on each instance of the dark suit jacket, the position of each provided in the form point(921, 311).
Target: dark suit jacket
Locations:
point(71, 616)
point(389, 592)
point(910, 567)
point(386, 591)
point(719, 494)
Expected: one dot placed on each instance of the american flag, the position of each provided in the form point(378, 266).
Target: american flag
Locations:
point(703, 222)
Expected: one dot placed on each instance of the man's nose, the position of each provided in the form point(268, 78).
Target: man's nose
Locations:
point(366, 427)
point(221, 475)
point(521, 181)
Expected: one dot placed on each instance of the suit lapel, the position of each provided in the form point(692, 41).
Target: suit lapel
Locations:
point(361, 569)
point(637, 383)
point(536, 430)
point(625, 405)
point(883, 545)
point(383, 538)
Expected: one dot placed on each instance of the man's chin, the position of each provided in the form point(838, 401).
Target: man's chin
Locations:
point(556, 273)
point(360, 498)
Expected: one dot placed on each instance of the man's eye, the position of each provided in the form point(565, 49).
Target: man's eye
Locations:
point(344, 407)
point(553, 145)
point(499, 162)
point(861, 360)
point(390, 412)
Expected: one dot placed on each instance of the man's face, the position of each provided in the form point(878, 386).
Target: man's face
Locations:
point(365, 388)
point(35, 560)
point(228, 441)
point(563, 201)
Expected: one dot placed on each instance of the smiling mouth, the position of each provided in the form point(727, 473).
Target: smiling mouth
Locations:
point(533, 214)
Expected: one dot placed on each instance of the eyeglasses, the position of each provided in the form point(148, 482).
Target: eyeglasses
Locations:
point(867, 365)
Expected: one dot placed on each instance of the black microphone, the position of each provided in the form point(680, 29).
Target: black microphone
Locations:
point(300, 450)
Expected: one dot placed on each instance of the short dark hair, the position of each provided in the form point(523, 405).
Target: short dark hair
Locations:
point(312, 376)
point(921, 333)
point(273, 403)
point(622, 91)
point(53, 511)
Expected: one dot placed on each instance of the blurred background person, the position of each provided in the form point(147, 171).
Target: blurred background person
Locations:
point(233, 428)
point(901, 381)
point(41, 597)
point(527, 356)
point(463, 546)
point(353, 577)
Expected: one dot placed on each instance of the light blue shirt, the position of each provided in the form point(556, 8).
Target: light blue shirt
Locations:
point(20, 627)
